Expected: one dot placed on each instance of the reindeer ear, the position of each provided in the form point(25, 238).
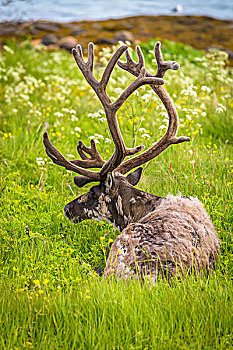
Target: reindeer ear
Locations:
point(81, 181)
point(135, 176)
point(109, 181)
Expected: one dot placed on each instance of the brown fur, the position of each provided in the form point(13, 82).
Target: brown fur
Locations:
point(177, 236)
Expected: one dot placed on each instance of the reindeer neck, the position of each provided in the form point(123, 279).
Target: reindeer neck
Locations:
point(133, 208)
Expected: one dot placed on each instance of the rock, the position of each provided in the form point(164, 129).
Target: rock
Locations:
point(52, 47)
point(79, 31)
point(68, 42)
point(114, 25)
point(129, 25)
point(36, 42)
point(46, 26)
point(49, 39)
point(107, 41)
point(124, 36)
point(97, 26)
point(75, 29)
point(11, 28)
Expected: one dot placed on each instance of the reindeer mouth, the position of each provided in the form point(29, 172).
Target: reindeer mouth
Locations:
point(75, 219)
point(68, 214)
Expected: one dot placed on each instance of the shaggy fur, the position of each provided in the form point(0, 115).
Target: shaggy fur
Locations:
point(171, 240)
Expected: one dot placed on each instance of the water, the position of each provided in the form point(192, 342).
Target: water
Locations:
point(71, 10)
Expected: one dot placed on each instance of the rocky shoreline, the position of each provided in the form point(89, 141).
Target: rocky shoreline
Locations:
point(200, 32)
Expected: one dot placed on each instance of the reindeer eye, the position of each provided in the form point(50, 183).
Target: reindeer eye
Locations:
point(92, 194)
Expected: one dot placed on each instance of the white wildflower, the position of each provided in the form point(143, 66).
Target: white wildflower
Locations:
point(93, 138)
point(220, 108)
point(146, 97)
point(40, 161)
point(163, 127)
point(146, 136)
point(190, 91)
point(74, 119)
point(24, 97)
point(99, 136)
point(205, 89)
point(66, 110)
point(118, 90)
point(58, 114)
point(72, 111)
point(8, 49)
point(29, 104)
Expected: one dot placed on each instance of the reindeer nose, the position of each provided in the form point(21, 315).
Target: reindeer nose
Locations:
point(68, 211)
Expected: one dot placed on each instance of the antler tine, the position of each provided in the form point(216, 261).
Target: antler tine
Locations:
point(94, 162)
point(111, 64)
point(78, 55)
point(81, 181)
point(170, 135)
point(163, 66)
point(86, 67)
point(90, 60)
point(59, 159)
point(130, 65)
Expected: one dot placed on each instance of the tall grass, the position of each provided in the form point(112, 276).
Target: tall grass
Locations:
point(51, 296)
point(194, 314)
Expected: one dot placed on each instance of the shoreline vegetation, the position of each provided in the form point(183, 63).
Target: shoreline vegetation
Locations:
point(201, 32)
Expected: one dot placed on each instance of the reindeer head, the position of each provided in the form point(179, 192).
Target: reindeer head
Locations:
point(114, 197)
point(113, 200)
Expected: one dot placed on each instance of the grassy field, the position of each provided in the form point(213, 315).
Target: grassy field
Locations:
point(50, 294)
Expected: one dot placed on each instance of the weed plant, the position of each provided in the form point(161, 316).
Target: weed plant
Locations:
point(51, 296)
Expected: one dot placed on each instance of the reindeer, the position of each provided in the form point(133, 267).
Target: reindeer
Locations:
point(159, 236)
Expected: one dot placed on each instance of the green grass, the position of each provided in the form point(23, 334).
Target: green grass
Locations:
point(51, 297)
point(194, 314)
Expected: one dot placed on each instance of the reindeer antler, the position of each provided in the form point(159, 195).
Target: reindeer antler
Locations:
point(59, 159)
point(115, 163)
point(170, 136)
point(111, 108)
